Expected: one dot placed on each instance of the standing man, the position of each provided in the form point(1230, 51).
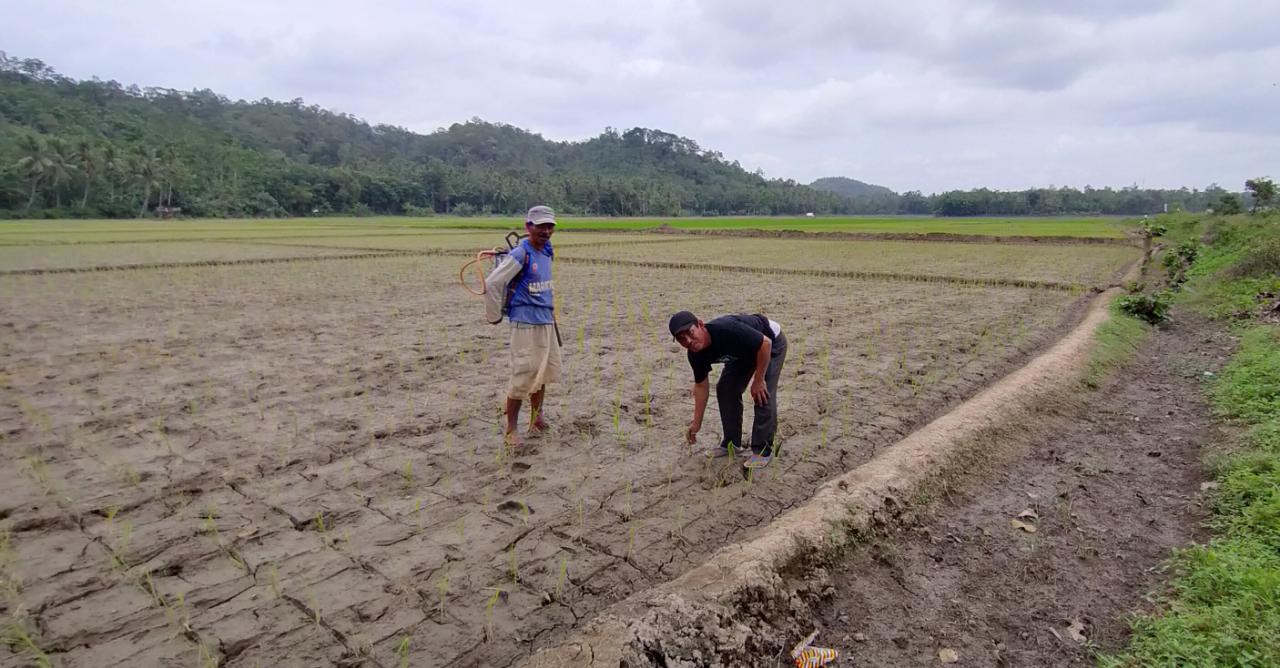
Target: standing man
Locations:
point(521, 288)
point(752, 349)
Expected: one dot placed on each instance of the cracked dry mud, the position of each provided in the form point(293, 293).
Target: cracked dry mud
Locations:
point(300, 463)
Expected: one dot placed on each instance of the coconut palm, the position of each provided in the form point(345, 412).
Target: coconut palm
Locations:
point(146, 170)
point(170, 169)
point(86, 159)
point(113, 166)
point(35, 163)
point(61, 167)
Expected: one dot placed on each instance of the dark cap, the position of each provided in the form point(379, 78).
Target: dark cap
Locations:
point(681, 321)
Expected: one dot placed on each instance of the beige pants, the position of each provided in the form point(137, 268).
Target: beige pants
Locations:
point(535, 359)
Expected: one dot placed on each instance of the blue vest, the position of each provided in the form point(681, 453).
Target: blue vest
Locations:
point(532, 301)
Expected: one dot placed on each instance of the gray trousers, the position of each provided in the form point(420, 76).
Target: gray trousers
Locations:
point(734, 380)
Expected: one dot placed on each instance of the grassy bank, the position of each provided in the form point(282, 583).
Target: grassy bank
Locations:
point(1117, 342)
point(1222, 606)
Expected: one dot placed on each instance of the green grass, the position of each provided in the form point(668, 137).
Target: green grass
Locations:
point(1223, 604)
point(1223, 611)
point(1104, 227)
point(1115, 343)
point(1250, 386)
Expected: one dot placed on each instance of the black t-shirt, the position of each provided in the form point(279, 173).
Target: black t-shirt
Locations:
point(734, 338)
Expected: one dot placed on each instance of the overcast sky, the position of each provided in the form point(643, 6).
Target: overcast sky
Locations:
point(911, 94)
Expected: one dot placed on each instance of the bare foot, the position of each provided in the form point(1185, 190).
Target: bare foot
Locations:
point(512, 439)
point(539, 426)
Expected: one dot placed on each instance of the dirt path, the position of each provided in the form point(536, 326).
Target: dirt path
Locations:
point(1114, 491)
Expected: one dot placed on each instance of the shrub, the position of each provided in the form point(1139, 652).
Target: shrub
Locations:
point(418, 211)
point(1151, 307)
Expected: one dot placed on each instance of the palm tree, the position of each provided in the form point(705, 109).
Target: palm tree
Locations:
point(170, 167)
point(146, 169)
point(60, 167)
point(87, 160)
point(35, 163)
point(113, 165)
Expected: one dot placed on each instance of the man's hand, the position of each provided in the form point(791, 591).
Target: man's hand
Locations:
point(691, 434)
point(759, 392)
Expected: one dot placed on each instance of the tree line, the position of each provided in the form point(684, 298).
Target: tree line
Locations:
point(97, 148)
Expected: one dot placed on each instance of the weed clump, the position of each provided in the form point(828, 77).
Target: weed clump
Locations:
point(1150, 307)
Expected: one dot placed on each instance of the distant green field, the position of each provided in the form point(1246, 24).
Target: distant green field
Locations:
point(77, 231)
point(1106, 227)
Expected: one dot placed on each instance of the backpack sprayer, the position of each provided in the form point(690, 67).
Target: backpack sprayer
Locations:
point(494, 256)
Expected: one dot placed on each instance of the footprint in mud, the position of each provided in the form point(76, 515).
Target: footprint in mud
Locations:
point(516, 507)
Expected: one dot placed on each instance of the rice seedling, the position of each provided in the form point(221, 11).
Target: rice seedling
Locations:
point(23, 643)
point(39, 471)
point(129, 474)
point(402, 652)
point(488, 611)
point(205, 656)
point(237, 560)
point(648, 396)
point(120, 535)
point(561, 577)
point(442, 591)
point(274, 575)
point(321, 529)
point(8, 556)
point(314, 605)
point(210, 525)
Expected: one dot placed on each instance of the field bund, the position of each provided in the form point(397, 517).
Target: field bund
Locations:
point(750, 574)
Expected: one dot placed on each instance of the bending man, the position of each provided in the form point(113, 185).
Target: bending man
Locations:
point(752, 349)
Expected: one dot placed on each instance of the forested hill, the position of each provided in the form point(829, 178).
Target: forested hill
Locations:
point(850, 187)
point(99, 149)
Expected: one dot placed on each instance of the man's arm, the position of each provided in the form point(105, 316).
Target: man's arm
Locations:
point(759, 392)
point(495, 288)
point(701, 391)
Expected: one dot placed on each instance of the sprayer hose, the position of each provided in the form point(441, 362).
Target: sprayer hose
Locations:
point(482, 255)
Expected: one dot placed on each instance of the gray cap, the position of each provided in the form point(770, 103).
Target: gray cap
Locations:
point(541, 215)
